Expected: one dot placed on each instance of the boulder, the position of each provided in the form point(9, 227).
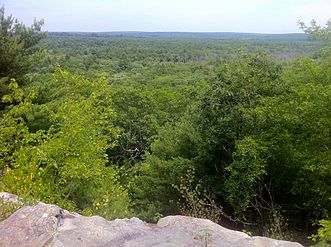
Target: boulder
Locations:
point(48, 225)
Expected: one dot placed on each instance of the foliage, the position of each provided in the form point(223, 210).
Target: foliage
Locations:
point(226, 118)
point(67, 163)
point(19, 49)
point(277, 227)
point(171, 154)
point(246, 173)
point(324, 234)
point(316, 31)
point(140, 112)
point(7, 209)
point(195, 201)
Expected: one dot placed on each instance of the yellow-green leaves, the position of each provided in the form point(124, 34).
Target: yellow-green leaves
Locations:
point(62, 158)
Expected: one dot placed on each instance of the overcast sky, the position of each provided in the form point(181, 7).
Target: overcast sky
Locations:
point(262, 16)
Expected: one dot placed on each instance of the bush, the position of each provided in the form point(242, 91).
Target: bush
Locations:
point(323, 234)
point(196, 201)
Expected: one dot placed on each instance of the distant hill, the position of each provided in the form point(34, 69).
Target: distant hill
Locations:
point(190, 35)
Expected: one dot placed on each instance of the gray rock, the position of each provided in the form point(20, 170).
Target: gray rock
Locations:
point(10, 198)
point(48, 225)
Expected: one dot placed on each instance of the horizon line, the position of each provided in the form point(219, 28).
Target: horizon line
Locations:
point(202, 32)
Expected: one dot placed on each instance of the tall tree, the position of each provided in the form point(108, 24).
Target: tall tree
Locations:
point(20, 51)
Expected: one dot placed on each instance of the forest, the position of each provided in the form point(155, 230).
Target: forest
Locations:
point(235, 128)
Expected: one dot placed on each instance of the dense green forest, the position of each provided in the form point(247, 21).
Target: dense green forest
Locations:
point(234, 128)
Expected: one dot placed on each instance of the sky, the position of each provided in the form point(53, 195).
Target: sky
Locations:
point(257, 16)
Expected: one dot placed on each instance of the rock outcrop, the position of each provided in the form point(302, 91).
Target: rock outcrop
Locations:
point(48, 225)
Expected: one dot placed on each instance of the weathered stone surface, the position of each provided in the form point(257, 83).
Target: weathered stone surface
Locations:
point(48, 225)
point(29, 226)
point(7, 197)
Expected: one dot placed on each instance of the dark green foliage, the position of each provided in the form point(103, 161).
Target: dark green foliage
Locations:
point(18, 46)
point(140, 111)
point(171, 158)
point(19, 50)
